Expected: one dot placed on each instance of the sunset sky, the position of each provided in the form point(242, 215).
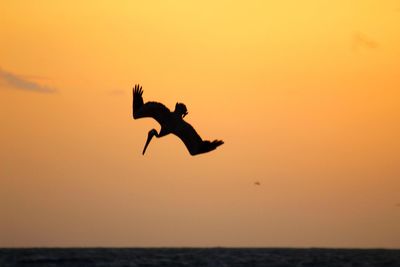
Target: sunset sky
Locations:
point(305, 94)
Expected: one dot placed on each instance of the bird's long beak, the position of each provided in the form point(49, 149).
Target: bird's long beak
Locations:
point(149, 137)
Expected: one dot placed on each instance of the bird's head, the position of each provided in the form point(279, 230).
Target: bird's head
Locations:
point(181, 109)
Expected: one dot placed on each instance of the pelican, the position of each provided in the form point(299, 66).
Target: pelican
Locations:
point(171, 122)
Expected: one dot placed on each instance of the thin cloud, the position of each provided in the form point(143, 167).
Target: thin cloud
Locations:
point(362, 41)
point(117, 92)
point(19, 82)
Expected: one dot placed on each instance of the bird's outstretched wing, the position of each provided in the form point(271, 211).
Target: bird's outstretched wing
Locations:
point(150, 109)
point(193, 141)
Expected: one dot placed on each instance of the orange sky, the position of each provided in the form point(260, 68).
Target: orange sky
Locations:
point(305, 95)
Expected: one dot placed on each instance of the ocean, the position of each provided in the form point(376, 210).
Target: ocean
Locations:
point(204, 257)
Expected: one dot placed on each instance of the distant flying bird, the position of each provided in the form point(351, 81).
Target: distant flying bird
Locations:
point(257, 183)
point(171, 122)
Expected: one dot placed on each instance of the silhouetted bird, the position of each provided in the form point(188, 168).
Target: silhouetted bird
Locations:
point(171, 122)
point(257, 183)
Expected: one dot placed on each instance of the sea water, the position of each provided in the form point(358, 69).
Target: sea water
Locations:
point(213, 257)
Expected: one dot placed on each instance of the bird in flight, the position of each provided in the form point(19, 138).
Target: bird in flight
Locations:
point(171, 122)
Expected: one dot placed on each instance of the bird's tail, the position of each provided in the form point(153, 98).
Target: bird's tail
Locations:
point(207, 146)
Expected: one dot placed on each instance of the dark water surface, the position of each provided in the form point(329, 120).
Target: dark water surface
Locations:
point(213, 257)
